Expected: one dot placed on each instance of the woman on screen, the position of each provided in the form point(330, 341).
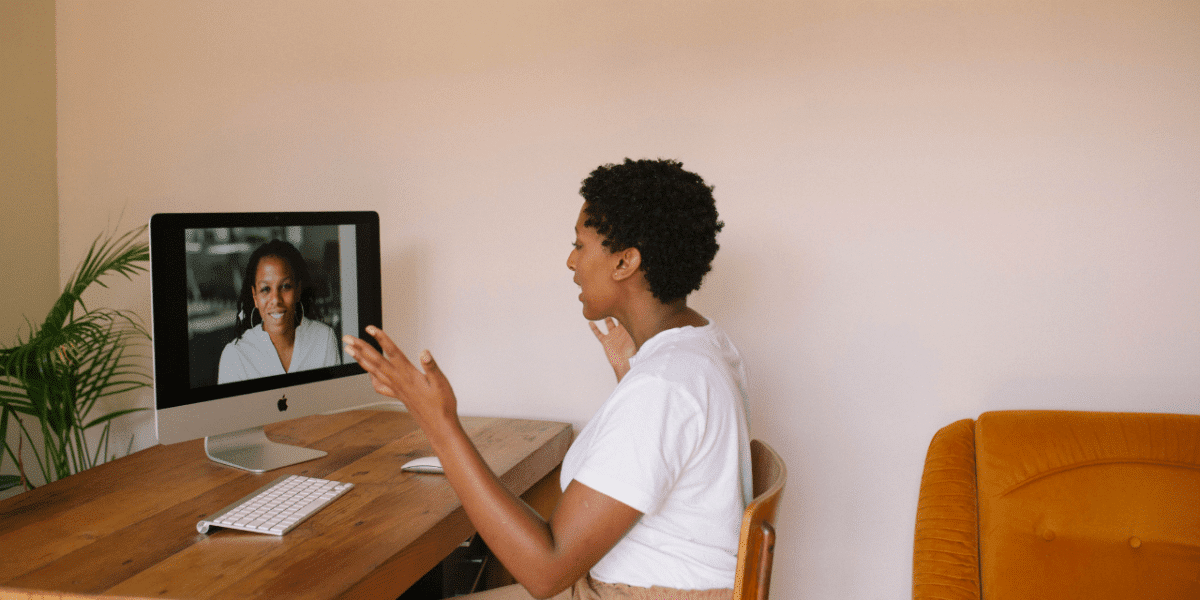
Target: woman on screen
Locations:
point(274, 336)
point(654, 486)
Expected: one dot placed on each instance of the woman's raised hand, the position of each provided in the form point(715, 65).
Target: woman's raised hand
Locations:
point(427, 395)
point(618, 345)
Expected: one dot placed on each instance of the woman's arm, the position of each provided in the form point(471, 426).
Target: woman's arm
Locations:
point(545, 557)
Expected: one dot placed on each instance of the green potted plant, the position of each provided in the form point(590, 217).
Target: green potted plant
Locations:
point(53, 378)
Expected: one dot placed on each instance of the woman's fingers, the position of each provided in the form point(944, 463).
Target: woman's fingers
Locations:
point(368, 358)
point(378, 366)
point(432, 371)
point(356, 346)
point(397, 357)
point(391, 370)
point(609, 325)
point(371, 359)
point(392, 375)
point(382, 387)
point(391, 351)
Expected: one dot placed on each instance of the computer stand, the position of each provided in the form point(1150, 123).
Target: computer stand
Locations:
point(250, 450)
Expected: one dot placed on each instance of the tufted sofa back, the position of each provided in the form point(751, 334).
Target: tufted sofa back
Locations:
point(1065, 505)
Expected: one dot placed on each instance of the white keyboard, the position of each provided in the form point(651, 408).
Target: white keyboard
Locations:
point(279, 506)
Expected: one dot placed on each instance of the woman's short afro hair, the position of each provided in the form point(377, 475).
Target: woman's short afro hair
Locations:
point(667, 213)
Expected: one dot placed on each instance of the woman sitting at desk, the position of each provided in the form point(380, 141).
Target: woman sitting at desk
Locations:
point(655, 484)
point(273, 334)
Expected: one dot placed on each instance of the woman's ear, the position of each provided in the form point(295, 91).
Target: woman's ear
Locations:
point(629, 263)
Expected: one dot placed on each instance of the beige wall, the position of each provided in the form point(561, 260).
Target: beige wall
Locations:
point(934, 208)
point(28, 166)
point(28, 173)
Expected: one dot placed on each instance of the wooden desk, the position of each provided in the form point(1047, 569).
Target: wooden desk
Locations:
point(128, 527)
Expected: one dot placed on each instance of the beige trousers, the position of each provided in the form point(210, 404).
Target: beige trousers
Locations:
point(590, 589)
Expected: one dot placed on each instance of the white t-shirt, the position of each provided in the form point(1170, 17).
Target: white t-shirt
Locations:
point(673, 442)
point(253, 355)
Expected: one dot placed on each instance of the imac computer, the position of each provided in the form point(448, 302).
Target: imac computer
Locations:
point(248, 314)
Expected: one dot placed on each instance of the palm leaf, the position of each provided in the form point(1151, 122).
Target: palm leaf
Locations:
point(110, 416)
point(6, 481)
point(57, 373)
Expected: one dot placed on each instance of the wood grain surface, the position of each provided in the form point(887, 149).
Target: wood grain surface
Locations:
point(128, 527)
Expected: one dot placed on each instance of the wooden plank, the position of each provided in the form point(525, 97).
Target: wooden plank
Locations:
point(129, 527)
point(356, 550)
point(132, 532)
point(409, 565)
point(384, 511)
point(48, 535)
point(18, 594)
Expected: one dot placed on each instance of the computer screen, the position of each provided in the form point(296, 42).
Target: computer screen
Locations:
point(248, 314)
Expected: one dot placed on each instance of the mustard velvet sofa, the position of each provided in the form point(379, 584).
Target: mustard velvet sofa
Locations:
point(1020, 505)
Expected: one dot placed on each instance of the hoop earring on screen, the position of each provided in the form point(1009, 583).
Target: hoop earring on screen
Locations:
point(252, 312)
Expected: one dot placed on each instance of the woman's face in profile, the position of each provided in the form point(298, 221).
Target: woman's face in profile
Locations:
point(275, 294)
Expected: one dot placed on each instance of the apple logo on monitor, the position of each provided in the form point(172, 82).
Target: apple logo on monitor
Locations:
point(282, 403)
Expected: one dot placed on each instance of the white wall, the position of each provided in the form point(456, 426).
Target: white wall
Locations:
point(934, 208)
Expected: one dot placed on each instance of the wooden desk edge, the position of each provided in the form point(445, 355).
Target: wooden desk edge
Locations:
point(534, 476)
point(540, 491)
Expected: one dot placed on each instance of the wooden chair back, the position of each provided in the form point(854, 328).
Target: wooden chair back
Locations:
point(756, 550)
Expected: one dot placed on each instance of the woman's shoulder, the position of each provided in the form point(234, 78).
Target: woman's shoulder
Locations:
point(686, 346)
point(313, 330)
point(245, 336)
point(315, 325)
point(694, 360)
